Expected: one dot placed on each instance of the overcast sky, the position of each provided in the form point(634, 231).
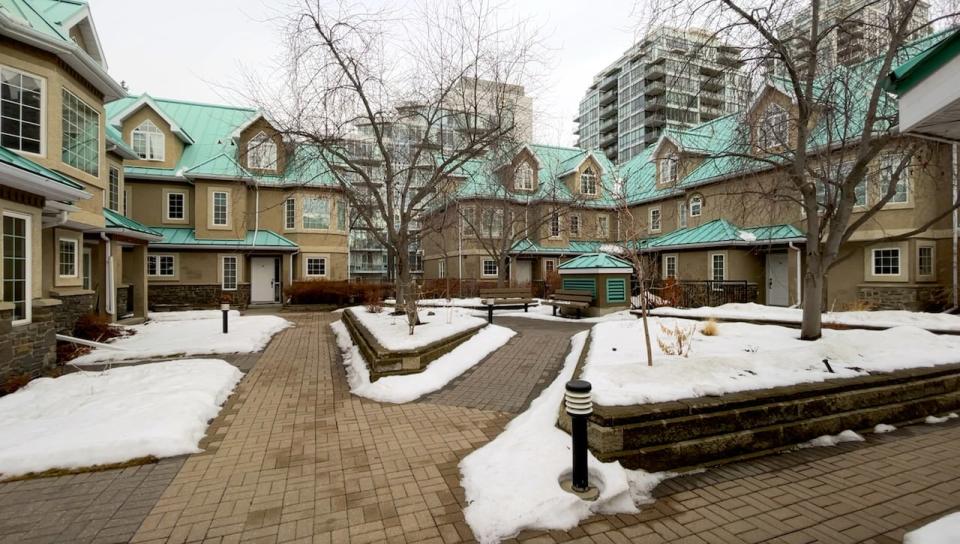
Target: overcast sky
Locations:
point(197, 49)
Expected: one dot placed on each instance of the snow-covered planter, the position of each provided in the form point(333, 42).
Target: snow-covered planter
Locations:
point(385, 343)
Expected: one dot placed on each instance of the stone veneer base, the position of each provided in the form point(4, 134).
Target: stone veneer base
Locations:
point(175, 296)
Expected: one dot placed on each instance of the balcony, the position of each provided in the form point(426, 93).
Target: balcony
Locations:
point(608, 111)
point(609, 81)
point(710, 112)
point(710, 97)
point(655, 103)
point(608, 125)
point(712, 84)
point(655, 121)
point(710, 70)
point(608, 97)
point(364, 268)
point(655, 71)
point(655, 88)
point(608, 139)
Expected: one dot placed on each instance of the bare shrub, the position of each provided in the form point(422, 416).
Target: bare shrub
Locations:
point(710, 328)
point(678, 339)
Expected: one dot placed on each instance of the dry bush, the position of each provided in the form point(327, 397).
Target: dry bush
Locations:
point(678, 339)
point(98, 328)
point(15, 382)
point(710, 328)
point(337, 293)
point(374, 306)
point(858, 305)
point(671, 292)
point(67, 351)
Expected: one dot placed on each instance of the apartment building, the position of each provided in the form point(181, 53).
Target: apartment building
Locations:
point(672, 79)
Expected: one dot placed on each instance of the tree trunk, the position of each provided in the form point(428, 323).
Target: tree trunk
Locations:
point(502, 270)
point(812, 305)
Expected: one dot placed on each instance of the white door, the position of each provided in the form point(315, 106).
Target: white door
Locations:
point(778, 293)
point(522, 272)
point(262, 279)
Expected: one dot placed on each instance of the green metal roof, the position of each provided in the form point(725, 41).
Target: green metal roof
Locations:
point(43, 16)
point(116, 220)
point(186, 236)
point(574, 247)
point(905, 76)
point(24, 163)
point(722, 232)
point(115, 138)
point(595, 260)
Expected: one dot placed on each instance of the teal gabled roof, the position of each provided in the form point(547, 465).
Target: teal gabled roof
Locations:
point(593, 261)
point(573, 247)
point(43, 16)
point(187, 237)
point(115, 138)
point(722, 232)
point(116, 220)
point(905, 76)
point(23, 163)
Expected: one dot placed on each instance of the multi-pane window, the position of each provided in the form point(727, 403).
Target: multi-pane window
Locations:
point(489, 267)
point(491, 225)
point(603, 226)
point(160, 266)
point(549, 266)
point(175, 205)
point(148, 141)
point(468, 216)
point(574, 225)
point(81, 135)
point(229, 273)
point(886, 262)
point(341, 214)
point(262, 152)
point(442, 268)
point(588, 182)
point(718, 267)
point(774, 128)
point(316, 214)
point(925, 261)
point(113, 190)
point(20, 117)
point(655, 222)
point(524, 179)
point(696, 206)
point(220, 208)
point(16, 278)
point(669, 266)
point(888, 167)
point(290, 213)
point(555, 225)
point(316, 266)
point(68, 257)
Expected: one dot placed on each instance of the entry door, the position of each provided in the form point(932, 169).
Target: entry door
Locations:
point(523, 272)
point(778, 293)
point(263, 278)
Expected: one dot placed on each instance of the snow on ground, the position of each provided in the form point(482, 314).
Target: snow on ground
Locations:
point(942, 531)
point(405, 388)
point(745, 356)
point(157, 339)
point(393, 333)
point(513, 482)
point(832, 440)
point(880, 318)
point(884, 428)
point(91, 418)
point(545, 313)
point(443, 302)
point(934, 420)
point(190, 315)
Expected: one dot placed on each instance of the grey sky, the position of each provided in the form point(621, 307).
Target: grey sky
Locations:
point(197, 49)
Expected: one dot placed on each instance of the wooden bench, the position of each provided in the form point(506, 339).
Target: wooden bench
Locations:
point(505, 296)
point(569, 298)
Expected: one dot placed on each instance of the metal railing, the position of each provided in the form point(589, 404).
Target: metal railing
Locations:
point(696, 293)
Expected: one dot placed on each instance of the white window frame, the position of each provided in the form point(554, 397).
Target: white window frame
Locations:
point(603, 231)
point(888, 163)
point(226, 208)
point(306, 267)
point(575, 224)
point(223, 272)
point(682, 215)
point(109, 193)
point(711, 263)
point(262, 152)
point(158, 269)
point(483, 268)
point(699, 201)
point(28, 258)
point(524, 177)
point(303, 211)
point(555, 220)
point(550, 261)
point(667, 172)
point(671, 257)
point(43, 111)
point(183, 206)
point(290, 208)
point(873, 262)
point(656, 223)
point(64, 119)
point(933, 261)
point(773, 131)
point(76, 264)
point(442, 268)
point(588, 181)
point(152, 139)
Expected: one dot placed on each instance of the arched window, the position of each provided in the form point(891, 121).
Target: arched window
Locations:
point(774, 130)
point(262, 152)
point(668, 170)
point(148, 141)
point(524, 179)
point(588, 182)
point(696, 205)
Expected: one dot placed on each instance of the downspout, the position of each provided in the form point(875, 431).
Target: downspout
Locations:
point(799, 271)
point(955, 171)
point(460, 255)
point(110, 295)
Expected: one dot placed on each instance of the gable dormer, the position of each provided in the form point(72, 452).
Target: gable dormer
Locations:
point(155, 137)
point(79, 26)
point(260, 147)
point(584, 179)
point(771, 118)
point(666, 158)
point(520, 175)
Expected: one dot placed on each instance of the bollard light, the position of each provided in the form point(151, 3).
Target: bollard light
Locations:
point(225, 308)
point(579, 405)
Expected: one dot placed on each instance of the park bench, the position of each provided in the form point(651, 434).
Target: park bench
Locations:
point(505, 296)
point(569, 298)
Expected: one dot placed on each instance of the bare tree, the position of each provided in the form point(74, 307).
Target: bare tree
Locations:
point(395, 104)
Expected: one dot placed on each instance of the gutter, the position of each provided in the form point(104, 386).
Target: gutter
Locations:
point(31, 182)
point(734, 243)
point(130, 233)
point(110, 289)
point(219, 246)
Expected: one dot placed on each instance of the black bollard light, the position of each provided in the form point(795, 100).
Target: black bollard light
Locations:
point(225, 308)
point(579, 404)
point(489, 313)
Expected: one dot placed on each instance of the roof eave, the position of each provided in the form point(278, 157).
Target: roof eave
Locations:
point(728, 243)
point(131, 233)
point(30, 182)
point(223, 246)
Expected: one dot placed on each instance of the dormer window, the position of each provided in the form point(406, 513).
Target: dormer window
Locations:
point(774, 128)
point(524, 178)
point(262, 152)
point(667, 172)
point(696, 205)
point(588, 182)
point(148, 141)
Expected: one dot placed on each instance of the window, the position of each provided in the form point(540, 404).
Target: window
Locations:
point(667, 173)
point(491, 223)
point(468, 220)
point(925, 261)
point(81, 135)
point(886, 262)
point(341, 214)
point(442, 268)
point(87, 268)
point(718, 267)
point(127, 201)
point(524, 178)
point(669, 266)
point(316, 213)
point(160, 266)
point(175, 205)
point(603, 226)
point(489, 268)
point(262, 152)
point(113, 190)
point(574, 225)
point(68, 258)
point(696, 205)
point(774, 128)
point(682, 215)
point(655, 222)
point(316, 267)
point(290, 214)
point(228, 273)
point(148, 141)
point(588, 182)
point(888, 166)
point(555, 226)
point(16, 265)
point(220, 208)
point(21, 125)
point(549, 267)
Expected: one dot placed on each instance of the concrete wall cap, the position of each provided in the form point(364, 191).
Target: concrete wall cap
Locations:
point(4, 306)
point(46, 302)
point(72, 292)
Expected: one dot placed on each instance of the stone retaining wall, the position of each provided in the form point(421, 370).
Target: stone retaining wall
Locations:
point(73, 306)
point(186, 297)
point(915, 298)
point(31, 348)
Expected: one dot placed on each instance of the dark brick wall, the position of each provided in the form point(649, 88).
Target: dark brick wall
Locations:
point(70, 311)
point(194, 296)
point(931, 298)
point(28, 349)
point(122, 296)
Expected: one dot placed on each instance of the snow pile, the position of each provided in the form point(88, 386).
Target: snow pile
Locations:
point(746, 236)
point(758, 312)
point(405, 388)
point(190, 315)
point(882, 428)
point(442, 302)
point(545, 313)
point(93, 418)
point(513, 483)
point(744, 357)
point(832, 440)
point(934, 420)
point(393, 332)
point(942, 531)
point(195, 336)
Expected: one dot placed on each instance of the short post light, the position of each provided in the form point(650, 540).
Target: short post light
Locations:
point(579, 405)
point(225, 309)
